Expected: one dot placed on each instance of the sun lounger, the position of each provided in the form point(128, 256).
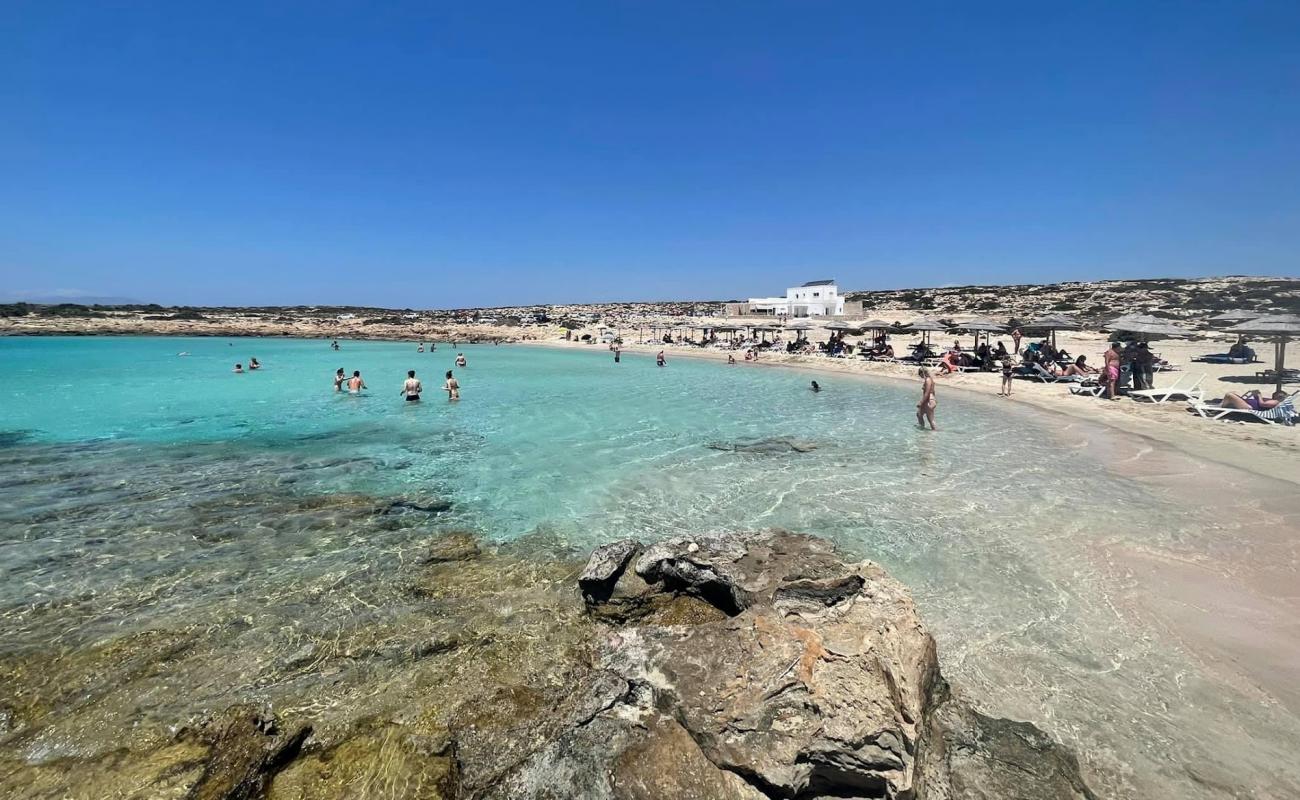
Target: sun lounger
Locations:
point(1193, 393)
point(1284, 413)
point(1047, 377)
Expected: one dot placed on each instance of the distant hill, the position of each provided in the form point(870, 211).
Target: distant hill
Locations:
point(1174, 298)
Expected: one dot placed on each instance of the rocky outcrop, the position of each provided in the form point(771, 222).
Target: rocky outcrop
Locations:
point(817, 679)
point(605, 567)
point(722, 667)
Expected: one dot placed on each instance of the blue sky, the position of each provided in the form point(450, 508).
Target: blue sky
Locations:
point(444, 155)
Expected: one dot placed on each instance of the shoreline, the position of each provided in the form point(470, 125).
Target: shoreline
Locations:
point(1246, 455)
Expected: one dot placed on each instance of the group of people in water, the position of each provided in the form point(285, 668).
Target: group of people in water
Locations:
point(412, 388)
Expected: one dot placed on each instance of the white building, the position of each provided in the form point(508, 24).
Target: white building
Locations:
point(813, 299)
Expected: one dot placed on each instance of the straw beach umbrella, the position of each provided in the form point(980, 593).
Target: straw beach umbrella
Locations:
point(1147, 326)
point(1281, 329)
point(801, 328)
point(980, 325)
point(924, 326)
point(1053, 323)
point(1236, 316)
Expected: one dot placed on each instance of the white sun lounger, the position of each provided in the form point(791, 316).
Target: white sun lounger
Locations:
point(1047, 377)
point(1193, 393)
point(1284, 413)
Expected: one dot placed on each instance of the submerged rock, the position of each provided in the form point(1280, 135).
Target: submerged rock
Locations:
point(452, 546)
point(775, 445)
point(247, 752)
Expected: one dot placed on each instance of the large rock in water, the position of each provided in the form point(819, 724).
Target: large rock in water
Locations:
point(819, 681)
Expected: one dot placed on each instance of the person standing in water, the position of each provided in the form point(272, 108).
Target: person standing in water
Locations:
point(618, 352)
point(334, 345)
point(355, 384)
point(815, 387)
point(339, 378)
point(460, 360)
point(659, 359)
point(1006, 377)
point(925, 408)
point(452, 387)
point(412, 387)
point(420, 349)
point(253, 363)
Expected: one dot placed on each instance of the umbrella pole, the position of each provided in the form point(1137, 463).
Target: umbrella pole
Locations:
point(1277, 367)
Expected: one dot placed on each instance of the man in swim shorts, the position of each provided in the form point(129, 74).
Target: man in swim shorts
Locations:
point(412, 387)
point(1110, 373)
point(355, 384)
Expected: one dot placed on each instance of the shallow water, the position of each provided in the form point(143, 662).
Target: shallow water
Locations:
point(144, 494)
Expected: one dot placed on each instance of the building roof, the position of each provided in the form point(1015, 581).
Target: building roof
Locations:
point(830, 282)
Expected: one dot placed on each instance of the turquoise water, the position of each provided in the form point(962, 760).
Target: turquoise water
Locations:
point(143, 490)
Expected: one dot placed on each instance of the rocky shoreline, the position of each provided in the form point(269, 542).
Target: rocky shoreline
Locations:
point(744, 666)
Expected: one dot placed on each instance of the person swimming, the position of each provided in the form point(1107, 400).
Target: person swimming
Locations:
point(815, 387)
point(355, 384)
point(339, 378)
point(451, 387)
point(334, 345)
point(238, 368)
point(412, 387)
point(420, 349)
point(460, 359)
point(659, 359)
point(253, 363)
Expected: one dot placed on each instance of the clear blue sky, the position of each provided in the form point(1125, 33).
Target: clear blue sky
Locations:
point(473, 153)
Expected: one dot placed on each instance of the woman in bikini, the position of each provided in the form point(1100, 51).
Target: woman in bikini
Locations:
point(925, 408)
point(451, 387)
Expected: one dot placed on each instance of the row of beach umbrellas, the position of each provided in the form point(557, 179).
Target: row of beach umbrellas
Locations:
point(1278, 328)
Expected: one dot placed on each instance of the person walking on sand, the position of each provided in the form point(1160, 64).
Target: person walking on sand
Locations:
point(355, 384)
point(412, 387)
point(1015, 341)
point(451, 387)
point(659, 359)
point(460, 360)
point(1006, 377)
point(1110, 374)
point(339, 378)
point(925, 408)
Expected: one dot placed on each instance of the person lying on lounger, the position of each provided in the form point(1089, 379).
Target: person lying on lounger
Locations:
point(1080, 367)
point(1252, 400)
